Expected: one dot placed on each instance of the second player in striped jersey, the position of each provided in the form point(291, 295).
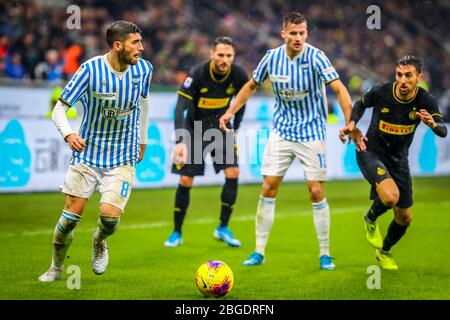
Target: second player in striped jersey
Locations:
point(298, 73)
point(111, 93)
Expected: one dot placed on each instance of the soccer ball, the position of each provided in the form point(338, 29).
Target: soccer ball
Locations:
point(214, 278)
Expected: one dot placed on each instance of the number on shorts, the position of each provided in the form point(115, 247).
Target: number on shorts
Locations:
point(322, 160)
point(125, 187)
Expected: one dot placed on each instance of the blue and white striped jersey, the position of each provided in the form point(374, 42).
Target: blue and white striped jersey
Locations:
point(299, 88)
point(110, 110)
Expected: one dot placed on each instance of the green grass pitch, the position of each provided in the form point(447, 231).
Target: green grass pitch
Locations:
point(141, 268)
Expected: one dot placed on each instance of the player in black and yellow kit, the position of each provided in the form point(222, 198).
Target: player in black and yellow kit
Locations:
point(206, 94)
point(382, 155)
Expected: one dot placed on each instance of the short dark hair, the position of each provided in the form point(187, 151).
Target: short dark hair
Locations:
point(223, 40)
point(293, 17)
point(119, 31)
point(410, 60)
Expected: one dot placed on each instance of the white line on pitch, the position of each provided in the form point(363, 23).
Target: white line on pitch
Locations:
point(244, 218)
point(161, 224)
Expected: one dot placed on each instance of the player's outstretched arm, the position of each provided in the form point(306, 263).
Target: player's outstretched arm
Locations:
point(343, 97)
point(352, 131)
point(241, 99)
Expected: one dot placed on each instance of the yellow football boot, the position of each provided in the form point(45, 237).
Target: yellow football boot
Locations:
point(386, 260)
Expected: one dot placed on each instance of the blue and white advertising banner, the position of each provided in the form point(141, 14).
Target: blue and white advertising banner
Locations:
point(34, 157)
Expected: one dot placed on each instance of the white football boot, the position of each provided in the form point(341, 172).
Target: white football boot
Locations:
point(100, 257)
point(52, 274)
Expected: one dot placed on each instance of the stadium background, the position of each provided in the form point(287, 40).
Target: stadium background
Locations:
point(38, 54)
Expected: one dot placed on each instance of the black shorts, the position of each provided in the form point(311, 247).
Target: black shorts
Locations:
point(375, 168)
point(223, 151)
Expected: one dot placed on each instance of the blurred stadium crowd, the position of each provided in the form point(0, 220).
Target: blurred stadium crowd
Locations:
point(35, 42)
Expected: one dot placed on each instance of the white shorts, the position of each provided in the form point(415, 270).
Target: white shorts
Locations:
point(113, 184)
point(280, 153)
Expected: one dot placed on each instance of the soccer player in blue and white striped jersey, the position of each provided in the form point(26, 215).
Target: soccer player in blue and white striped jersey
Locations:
point(298, 73)
point(112, 93)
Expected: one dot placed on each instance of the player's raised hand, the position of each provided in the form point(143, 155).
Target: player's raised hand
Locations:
point(346, 131)
point(76, 143)
point(359, 139)
point(223, 121)
point(426, 118)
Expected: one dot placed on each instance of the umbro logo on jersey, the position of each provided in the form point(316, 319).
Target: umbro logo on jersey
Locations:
point(385, 110)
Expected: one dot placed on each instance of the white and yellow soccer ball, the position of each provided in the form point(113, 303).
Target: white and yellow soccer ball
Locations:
point(214, 278)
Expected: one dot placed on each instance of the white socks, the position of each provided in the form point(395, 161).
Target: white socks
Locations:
point(321, 213)
point(265, 214)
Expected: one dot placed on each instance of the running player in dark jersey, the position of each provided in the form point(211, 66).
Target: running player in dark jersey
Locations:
point(206, 94)
point(382, 155)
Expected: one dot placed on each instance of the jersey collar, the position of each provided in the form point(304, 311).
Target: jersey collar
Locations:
point(120, 75)
point(298, 56)
point(211, 73)
point(394, 93)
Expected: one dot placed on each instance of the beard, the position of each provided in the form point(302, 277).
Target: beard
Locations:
point(126, 58)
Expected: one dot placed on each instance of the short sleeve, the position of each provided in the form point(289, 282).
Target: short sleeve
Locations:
point(188, 88)
point(432, 106)
point(148, 80)
point(368, 99)
point(262, 70)
point(77, 86)
point(324, 68)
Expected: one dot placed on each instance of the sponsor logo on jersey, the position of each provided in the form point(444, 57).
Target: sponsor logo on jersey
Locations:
point(396, 129)
point(135, 81)
point(385, 110)
point(380, 171)
point(213, 103)
point(114, 112)
point(280, 78)
point(289, 94)
point(110, 112)
point(105, 95)
point(203, 90)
